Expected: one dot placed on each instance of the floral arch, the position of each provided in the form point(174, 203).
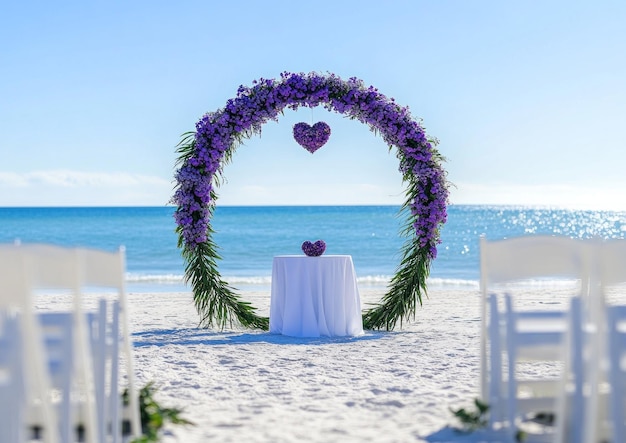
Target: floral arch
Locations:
point(203, 153)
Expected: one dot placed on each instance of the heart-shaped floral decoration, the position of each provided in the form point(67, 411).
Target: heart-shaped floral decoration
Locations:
point(311, 137)
point(314, 249)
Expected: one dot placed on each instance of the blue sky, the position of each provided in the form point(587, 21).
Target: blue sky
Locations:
point(528, 99)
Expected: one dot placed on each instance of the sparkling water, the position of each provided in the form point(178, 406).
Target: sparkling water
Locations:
point(249, 237)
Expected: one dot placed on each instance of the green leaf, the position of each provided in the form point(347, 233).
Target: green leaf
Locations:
point(154, 417)
point(219, 305)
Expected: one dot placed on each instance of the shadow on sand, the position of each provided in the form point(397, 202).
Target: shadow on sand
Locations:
point(197, 336)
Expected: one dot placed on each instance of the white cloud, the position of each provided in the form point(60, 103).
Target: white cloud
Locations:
point(76, 178)
point(78, 188)
point(13, 180)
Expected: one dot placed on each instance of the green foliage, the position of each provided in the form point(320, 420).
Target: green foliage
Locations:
point(477, 419)
point(154, 417)
point(215, 300)
point(472, 420)
point(408, 283)
point(185, 147)
point(218, 304)
point(405, 290)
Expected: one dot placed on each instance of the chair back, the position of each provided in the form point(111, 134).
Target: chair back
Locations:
point(108, 269)
point(103, 268)
point(611, 265)
point(532, 256)
point(16, 305)
point(523, 258)
point(604, 362)
point(26, 268)
point(617, 370)
point(50, 267)
point(14, 291)
point(59, 331)
point(12, 395)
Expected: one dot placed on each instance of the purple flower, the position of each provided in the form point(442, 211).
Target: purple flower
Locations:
point(220, 132)
point(314, 249)
point(311, 137)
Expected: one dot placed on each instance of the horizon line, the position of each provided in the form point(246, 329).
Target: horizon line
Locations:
point(286, 205)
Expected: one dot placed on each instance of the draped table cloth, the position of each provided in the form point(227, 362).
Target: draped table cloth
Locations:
point(315, 296)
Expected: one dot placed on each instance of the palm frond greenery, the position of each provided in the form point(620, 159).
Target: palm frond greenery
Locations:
point(202, 155)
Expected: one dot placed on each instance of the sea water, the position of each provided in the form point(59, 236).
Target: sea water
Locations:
point(249, 237)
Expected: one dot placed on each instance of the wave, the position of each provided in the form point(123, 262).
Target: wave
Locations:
point(154, 278)
point(363, 281)
point(452, 283)
point(180, 278)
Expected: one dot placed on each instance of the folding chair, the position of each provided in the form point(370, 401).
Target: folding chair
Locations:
point(59, 332)
point(79, 269)
point(570, 411)
point(524, 336)
point(517, 335)
point(32, 402)
point(12, 395)
point(65, 335)
point(533, 336)
point(75, 269)
point(600, 351)
point(497, 334)
point(104, 332)
point(66, 374)
point(616, 327)
point(607, 347)
point(107, 270)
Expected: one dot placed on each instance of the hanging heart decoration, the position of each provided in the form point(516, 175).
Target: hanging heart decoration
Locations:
point(313, 137)
point(314, 249)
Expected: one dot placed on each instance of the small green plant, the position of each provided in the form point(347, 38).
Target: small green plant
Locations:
point(154, 417)
point(477, 419)
point(472, 420)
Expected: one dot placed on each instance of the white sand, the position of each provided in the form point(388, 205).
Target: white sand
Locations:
point(253, 386)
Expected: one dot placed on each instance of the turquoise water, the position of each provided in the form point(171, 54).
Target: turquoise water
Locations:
point(249, 237)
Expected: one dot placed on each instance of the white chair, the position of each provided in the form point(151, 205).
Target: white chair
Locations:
point(108, 337)
point(104, 331)
point(524, 336)
point(103, 269)
point(616, 326)
point(50, 267)
point(533, 336)
point(65, 336)
point(67, 376)
point(608, 347)
point(11, 380)
point(104, 338)
point(597, 349)
point(496, 334)
point(33, 402)
point(570, 410)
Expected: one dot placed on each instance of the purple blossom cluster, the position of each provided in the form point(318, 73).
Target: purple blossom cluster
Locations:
point(219, 133)
point(311, 137)
point(314, 249)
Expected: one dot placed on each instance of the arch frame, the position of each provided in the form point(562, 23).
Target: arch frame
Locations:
point(203, 153)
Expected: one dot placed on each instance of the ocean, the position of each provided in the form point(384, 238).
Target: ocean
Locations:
point(249, 237)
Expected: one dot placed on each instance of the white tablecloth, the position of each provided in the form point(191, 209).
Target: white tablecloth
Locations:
point(314, 296)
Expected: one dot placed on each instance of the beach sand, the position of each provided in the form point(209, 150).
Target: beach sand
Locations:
point(253, 386)
point(259, 387)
